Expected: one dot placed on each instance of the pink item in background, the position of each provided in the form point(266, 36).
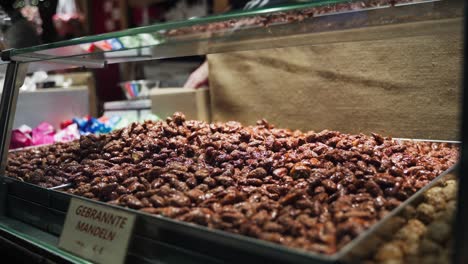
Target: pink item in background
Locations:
point(68, 134)
point(21, 137)
point(43, 134)
point(25, 129)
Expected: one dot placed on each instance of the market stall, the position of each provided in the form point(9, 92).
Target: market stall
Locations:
point(193, 191)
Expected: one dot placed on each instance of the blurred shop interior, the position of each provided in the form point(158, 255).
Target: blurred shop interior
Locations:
point(117, 95)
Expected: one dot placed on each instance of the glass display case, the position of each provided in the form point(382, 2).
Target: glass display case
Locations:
point(34, 215)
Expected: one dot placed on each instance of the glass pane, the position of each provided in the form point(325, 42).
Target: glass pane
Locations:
point(241, 30)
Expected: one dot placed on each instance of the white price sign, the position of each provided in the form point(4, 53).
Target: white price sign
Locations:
point(96, 232)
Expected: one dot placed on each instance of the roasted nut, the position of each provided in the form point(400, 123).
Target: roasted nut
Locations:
point(225, 180)
point(373, 188)
point(429, 247)
point(132, 202)
point(157, 201)
point(329, 185)
point(178, 200)
point(450, 190)
point(389, 251)
point(201, 216)
point(436, 198)
point(258, 173)
point(439, 231)
point(279, 173)
point(425, 212)
point(300, 171)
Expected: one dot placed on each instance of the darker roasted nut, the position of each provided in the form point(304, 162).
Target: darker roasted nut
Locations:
point(132, 202)
point(225, 180)
point(273, 227)
point(210, 182)
point(108, 188)
point(396, 171)
point(385, 181)
point(136, 186)
point(178, 200)
point(178, 118)
point(232, 198)
point(89, 195)
point(202, 174)
point(171, 212)
point(258, 173)
point(233, 217)
point(291, 197)
point(195, 194)
point(279, 173)
point(378, 139)
point(373, 188)
point(329, 185)
point(276, 189)
point(191, 182)
point(201, 216)
point(254, 182)
point(157, 201)
point(299, 170)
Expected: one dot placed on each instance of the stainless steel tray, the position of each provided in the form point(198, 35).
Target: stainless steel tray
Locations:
point(46, 209)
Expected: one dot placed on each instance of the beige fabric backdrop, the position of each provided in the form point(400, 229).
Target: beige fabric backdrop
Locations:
point(404, 87)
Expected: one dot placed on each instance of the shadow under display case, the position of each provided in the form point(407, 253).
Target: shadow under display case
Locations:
point(35, 213)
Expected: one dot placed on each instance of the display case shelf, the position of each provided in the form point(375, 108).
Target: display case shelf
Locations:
point(45, 209)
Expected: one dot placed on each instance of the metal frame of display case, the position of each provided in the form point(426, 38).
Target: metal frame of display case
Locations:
point(461, 229)
point(177, 241)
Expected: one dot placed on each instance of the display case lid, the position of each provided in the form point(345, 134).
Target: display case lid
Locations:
point(240, 30)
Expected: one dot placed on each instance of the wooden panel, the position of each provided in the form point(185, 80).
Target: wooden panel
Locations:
point(193, 103)
point(399, 86)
